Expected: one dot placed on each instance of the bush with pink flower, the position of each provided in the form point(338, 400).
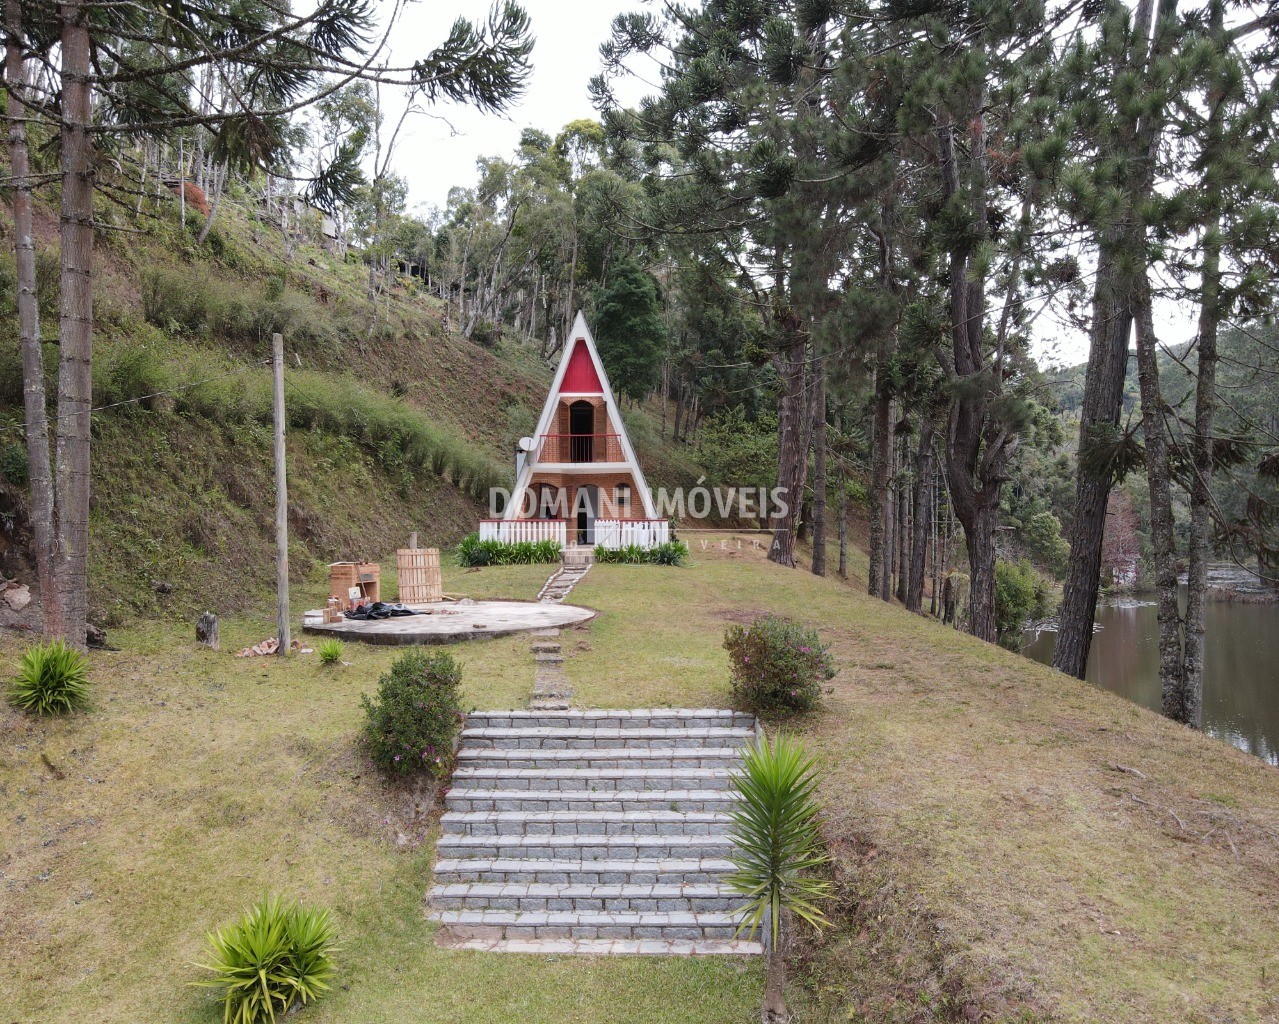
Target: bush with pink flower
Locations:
point(778, 666)
point(411, 727)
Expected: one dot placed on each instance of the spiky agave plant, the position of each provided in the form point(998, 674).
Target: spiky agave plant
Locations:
point(52, 679)
point(275, 956)
point(776, 843)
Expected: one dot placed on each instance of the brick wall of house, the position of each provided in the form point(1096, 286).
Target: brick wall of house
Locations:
point(607, 484)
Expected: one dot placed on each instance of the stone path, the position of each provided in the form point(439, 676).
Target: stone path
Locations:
point(591, 832)
point(562, 582)
point(551, 689)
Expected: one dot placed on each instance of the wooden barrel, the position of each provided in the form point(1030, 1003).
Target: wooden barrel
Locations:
point(419, 572)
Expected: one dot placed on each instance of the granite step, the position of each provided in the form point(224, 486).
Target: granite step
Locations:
point(592, 780)
point(571, 924)
point(638, 718)
point(584, 823)
point(645, 871)
point(596, 832)
point(601, 736)
point(609, 947)
point(584, 896)
point(599, 758)
point(589, 800)
point(583, 847)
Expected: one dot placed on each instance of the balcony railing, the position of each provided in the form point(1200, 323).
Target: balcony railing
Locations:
point(580, 448)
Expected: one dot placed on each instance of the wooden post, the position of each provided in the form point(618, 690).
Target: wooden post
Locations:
point(281, 500)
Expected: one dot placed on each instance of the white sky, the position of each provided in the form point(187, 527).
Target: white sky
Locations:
point(565, 56)
point(437, 153)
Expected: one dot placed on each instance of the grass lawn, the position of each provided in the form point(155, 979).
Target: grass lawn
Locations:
point(202, 780)
point(1010, 842)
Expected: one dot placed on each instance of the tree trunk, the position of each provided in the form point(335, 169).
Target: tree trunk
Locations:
point(922, 521)
point(935, 515)
point(1192, 667)
point(978, 447)
point(35, 405)
point(794, 435)
point(666, 393)
point(980, 538)
point(219, 184)
point(75, 379)
point(774, 1010)
point(1102, 403)
point(569, 312)
point(1121, 260)
point(1162, 537)
point(904, 527)
point(890, 515)
point(819, 468)
point(843, 527)
point(881, 453)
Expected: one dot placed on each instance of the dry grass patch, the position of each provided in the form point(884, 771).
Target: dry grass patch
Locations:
point(1042, 849)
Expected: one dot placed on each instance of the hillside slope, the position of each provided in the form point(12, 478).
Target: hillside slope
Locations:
point(1011, 845)
point(396, 424)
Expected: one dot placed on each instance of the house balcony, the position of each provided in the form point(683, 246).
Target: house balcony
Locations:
point(579, 449)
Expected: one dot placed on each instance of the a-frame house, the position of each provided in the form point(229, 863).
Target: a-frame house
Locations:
point(579, 482)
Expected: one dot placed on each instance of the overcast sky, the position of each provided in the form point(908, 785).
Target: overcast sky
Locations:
point(566, 55)
point(436, 153)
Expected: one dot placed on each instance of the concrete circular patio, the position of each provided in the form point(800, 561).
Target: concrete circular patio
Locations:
point(452, 622)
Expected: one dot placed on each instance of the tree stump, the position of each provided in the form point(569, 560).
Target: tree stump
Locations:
point(206, 630)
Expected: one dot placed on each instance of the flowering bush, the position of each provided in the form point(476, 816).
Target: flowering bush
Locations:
point(410, 728)
point(778, 667)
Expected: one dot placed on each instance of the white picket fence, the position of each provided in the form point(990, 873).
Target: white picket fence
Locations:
point(511, 531)
point(621, 533)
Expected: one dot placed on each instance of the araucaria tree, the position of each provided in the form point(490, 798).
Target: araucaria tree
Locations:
point(1173, 108)
point(115, 75)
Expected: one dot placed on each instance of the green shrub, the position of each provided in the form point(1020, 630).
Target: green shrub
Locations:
point(1020, 594)
point(52, 679)
point(411, 727)
point(777, 667)
point(132, 373)
point(15, 465)
point(1041, 537)
point(475, 552)
point(674, 552)
point(330, 651)
point(274, 957)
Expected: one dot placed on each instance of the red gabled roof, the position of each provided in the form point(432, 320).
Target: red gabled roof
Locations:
point(580, 377)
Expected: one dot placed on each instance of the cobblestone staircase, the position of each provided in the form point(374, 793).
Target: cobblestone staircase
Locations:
point(591, 832)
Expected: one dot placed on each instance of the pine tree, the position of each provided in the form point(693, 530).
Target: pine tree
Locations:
point(628, 322)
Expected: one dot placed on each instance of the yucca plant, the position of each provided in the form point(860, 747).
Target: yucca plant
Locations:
point(274, 957)
point(330, 651)
point(775, 844)
point(52, 679)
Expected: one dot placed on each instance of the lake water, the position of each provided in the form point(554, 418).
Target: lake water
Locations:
point(1241, 666)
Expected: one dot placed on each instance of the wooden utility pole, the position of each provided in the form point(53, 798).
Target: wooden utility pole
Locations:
point(281, 499)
